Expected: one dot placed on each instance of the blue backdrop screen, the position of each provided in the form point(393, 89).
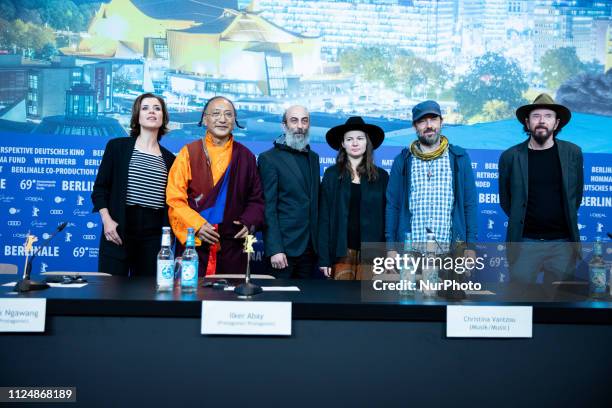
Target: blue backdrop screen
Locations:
point(48, 180)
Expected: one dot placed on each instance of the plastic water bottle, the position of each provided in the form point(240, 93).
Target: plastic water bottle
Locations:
point(189, 265)
point(165, 263)
point(408, 273)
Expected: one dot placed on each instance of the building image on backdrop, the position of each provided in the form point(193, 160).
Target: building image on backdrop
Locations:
point(73, 73)
point(479, 58)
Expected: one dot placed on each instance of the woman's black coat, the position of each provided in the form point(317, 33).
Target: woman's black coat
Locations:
point(334, 208)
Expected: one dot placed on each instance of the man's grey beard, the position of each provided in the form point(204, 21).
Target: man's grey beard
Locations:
point(429, 142)
point(297, 141)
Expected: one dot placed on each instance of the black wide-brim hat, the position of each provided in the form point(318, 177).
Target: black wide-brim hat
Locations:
point(335, 135)
point(545, 101)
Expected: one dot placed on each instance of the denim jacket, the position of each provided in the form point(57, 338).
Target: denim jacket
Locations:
point(464, 214)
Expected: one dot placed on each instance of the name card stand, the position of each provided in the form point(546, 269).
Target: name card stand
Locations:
point(22, 315)
point(246, 318)
point(489, 321)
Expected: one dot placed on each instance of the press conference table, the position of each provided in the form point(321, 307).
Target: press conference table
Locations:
point(122, 344)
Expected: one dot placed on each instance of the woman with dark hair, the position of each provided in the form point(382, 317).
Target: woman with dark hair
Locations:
point(352, 199)
point(130, 192)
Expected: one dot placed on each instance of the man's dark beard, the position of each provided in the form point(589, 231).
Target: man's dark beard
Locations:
point(428, 142)
point(541, 138)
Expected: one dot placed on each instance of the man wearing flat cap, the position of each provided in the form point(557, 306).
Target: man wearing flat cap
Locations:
point(431, 188)
point(540, 190)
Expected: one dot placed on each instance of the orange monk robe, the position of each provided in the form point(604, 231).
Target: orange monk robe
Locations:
point(180, 214)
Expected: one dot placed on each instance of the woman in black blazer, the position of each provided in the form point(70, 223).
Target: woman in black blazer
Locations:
point(130, 192)
point(352, 199)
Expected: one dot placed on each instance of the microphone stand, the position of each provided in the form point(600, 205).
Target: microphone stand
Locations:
point(450, 294)
point(26, 284)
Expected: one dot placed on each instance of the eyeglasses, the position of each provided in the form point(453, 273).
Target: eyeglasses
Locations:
point(216, 115)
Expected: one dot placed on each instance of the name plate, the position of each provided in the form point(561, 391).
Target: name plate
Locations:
point(246, 318)
point(489, 321)
point(22, 315)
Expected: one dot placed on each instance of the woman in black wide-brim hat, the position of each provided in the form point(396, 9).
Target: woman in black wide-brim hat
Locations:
point(352, 199)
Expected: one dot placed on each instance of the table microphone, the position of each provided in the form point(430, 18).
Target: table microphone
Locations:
point(26, 284)
point(451, 294)
point(430, 231)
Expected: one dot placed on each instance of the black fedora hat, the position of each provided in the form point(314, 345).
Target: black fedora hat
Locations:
point(545, 101)
point(335, 135)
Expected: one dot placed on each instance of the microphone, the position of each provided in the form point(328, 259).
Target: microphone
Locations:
point(429, 231)
point(450, 294)
point(609, 235)
point(28, 271)
point(26, 284)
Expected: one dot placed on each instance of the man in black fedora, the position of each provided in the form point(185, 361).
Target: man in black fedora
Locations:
point(540, 190)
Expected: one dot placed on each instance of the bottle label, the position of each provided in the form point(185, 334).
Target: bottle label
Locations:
point(598, 279)
point(165, 270)
point(189, 273)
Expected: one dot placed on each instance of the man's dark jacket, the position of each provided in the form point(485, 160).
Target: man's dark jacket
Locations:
point(291, 208)
point(514, 185)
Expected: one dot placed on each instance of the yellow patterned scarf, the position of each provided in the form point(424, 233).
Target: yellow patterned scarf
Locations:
point(416, 150)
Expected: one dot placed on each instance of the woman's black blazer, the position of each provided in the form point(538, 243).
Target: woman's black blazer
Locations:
point(110, 188)
point(333, 213)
